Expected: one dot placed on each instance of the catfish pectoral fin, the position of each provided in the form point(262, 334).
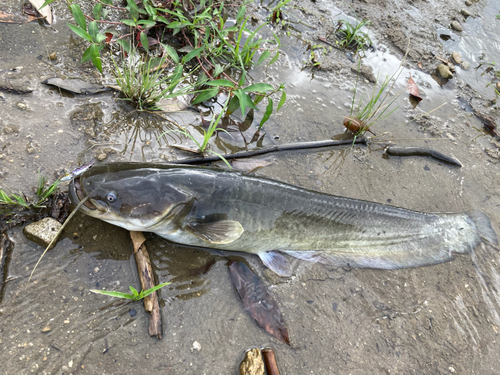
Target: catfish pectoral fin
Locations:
point(219, 232)
point(276, 263)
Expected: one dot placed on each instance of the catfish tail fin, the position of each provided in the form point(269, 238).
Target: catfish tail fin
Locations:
point(484, 228)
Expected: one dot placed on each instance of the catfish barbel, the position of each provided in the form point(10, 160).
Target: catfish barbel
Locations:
point(228, 210)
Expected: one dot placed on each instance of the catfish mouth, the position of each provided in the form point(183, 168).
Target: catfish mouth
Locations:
point(78, 194)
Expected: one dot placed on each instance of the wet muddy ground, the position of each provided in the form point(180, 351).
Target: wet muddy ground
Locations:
point(440, 319)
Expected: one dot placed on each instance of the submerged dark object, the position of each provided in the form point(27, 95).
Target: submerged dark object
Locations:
point(226, 210)
point(257, 300)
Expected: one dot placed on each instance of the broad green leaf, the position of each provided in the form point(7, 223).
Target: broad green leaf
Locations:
point(264, 56)
point(220, 82)
point(273, 60)
point(249, 101)
point(259, 87)
point(192, 54)
point(96, 58)
point(171, 52)
point(124, 44)
point(86, 55)
point(233, 105)
point(151, 11)
point(93, 31)
point(175, 24)
point(258, 99)
point(133, 10)
point(282, 101)
point(243, 77)
point(241, 95)
point(144, 41)
point(47, 2)
point(100, 38)
point(113, 294)
point(78, 16)
point(146, 23)
point(129, 22)
point(81, 33)
point(163, 19)
point(97, 11)
point(205, 95)
point(267, 114)
point(241, 13)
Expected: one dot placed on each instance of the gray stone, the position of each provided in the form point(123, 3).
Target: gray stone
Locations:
point(444, 71)
point(456, 57)
point(42, 232)
point(464, 65)
point(455, 25)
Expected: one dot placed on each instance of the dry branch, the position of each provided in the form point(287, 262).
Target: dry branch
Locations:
point(145, 271)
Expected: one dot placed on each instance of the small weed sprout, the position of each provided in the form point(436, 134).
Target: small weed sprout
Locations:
point(42, 192)
point(135, 296)
point(351, 36)
point(144, 83)
point(364, 115)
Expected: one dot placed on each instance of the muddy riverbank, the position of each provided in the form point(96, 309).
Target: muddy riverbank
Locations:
point(440, 319)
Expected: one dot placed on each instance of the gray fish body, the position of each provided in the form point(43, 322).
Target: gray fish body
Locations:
point(231, 211)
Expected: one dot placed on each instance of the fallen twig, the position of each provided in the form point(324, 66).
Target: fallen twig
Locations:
point(145, 272)
point(270, 362)
point(420, 151)
point(276, 148)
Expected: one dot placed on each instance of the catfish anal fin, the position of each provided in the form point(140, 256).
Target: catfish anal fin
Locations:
point(276, 262)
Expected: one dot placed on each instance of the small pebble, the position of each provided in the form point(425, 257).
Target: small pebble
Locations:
point(456, 57)
point(455, 25)
point(465, 65)
point(196, 346)
point(21, 105)
point(465, 12)
point(498, 86)
point(468, 3)
point(53, 56)
point(46, 329)
point(132, 312)
point(444, 71)
point(102, 156)
point(66, 321)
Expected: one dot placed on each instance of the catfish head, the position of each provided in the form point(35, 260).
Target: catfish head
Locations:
point(137, 200)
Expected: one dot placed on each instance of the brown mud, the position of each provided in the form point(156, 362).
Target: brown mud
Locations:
point(439, 320)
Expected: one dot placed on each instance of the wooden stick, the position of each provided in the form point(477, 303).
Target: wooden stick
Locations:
point(145, 271)
point(5, 246)
point(276, 148)
point(270, 362)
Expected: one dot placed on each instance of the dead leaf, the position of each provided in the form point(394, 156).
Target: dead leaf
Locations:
point(250, 164)
point(45, 12)
point(257, 300)
point(420, 65)
point(413, 89)
point(76, 86)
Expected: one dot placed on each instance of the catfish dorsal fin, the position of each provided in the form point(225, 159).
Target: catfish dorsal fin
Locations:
point(276, 262)
point(219, 232)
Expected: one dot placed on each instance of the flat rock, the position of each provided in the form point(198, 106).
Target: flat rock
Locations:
point(42, 232)
point(455, 25)
point(444, 71)
point(456, 57)
point(464, 65)
point(253, 363)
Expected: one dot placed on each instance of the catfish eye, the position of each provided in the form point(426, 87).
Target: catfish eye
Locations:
point(111, 197)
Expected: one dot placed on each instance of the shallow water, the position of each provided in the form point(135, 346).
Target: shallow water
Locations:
point(438, 319)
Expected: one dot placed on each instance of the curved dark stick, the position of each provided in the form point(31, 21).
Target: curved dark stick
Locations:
point(284, 147)
point(419, 151)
